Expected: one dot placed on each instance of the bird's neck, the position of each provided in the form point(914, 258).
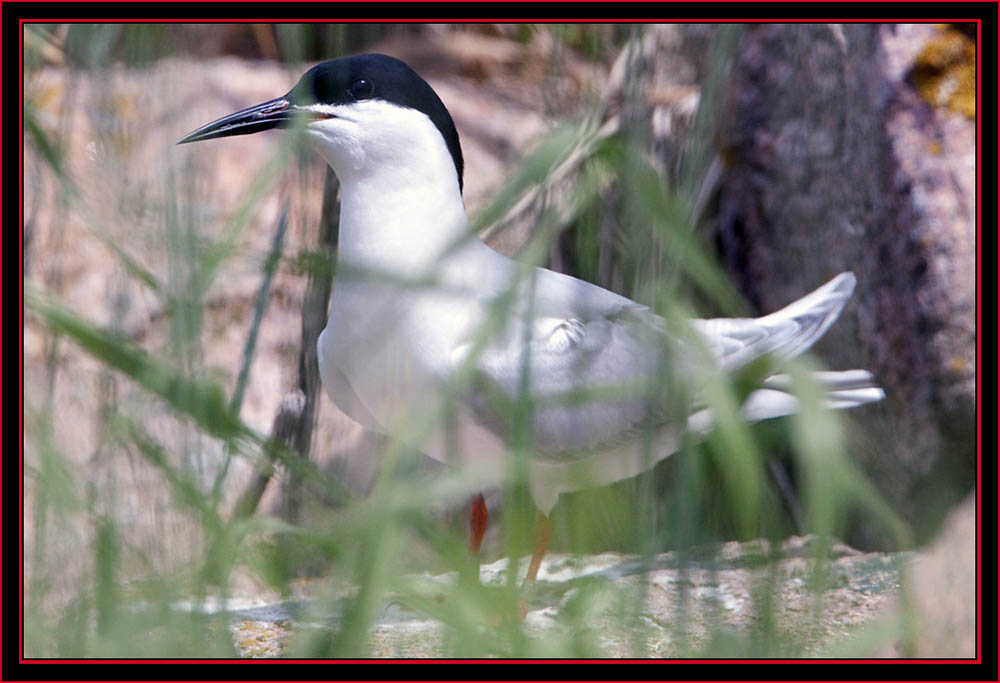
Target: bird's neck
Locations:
point(400, 220)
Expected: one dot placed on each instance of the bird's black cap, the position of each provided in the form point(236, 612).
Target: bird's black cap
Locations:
point(376, 76)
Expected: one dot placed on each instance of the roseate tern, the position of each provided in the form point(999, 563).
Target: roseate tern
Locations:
point(393, 343)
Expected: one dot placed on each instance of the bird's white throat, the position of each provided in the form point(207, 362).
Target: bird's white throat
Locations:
point(401, 203)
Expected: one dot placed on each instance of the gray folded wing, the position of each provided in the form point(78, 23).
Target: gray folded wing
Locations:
point(594, 375)
point(785, 333)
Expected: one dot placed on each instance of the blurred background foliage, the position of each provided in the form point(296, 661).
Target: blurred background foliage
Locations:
point(137, 45)
point(145, 516)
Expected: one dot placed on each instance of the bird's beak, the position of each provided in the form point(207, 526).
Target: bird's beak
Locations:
point(276, 113)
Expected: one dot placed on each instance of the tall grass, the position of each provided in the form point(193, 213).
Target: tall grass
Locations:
point(137, 514)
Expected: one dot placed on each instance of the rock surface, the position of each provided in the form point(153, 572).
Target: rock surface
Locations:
point(681, 612)
point(857, 613)
point(834, 161)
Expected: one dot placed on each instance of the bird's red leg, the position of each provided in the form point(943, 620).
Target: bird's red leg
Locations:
point(541, 546)
point(478, 517)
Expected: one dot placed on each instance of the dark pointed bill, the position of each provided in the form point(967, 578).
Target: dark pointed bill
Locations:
point(276, 113)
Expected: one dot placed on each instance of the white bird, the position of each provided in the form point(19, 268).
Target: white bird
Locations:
point(393, 344)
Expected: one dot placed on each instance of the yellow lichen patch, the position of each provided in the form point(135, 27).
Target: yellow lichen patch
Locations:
point(945, 72)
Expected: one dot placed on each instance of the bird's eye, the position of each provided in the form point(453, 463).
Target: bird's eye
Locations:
point(361, 89)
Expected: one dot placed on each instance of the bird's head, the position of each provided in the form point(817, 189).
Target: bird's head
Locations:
point(363, 114)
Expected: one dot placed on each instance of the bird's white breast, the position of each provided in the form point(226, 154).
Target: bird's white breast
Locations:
point(393, 348)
